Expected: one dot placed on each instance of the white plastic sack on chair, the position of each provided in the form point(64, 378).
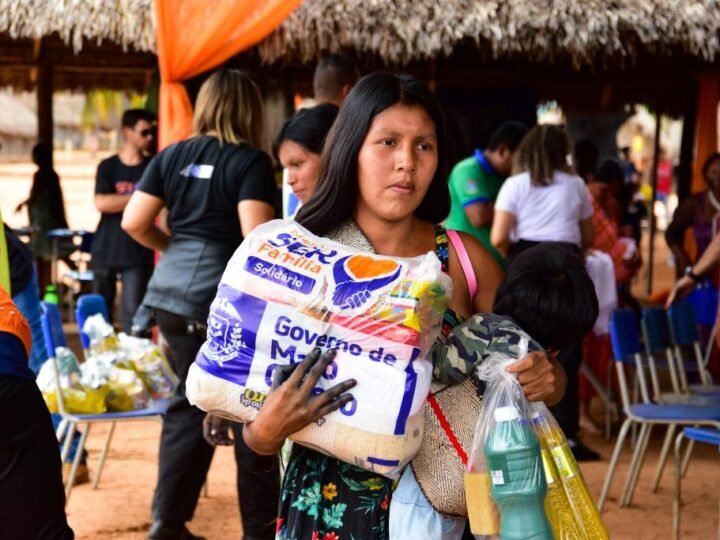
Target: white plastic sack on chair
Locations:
point(286, 291)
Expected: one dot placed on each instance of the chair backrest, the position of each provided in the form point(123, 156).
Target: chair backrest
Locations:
point(627, 349)
point(683, 324)
point(684, 333)
point(656, 334)
point(54, 337)
point(704, 300)
point(87, 305)
point(624, 335)
point(52, 328)
point(656, 330)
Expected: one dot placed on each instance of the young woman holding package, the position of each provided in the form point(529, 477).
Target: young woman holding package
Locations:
point(217, 186)
point(382, 188)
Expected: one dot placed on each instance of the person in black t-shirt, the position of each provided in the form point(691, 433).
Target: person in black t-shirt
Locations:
point(217, 186)
point(114, 252)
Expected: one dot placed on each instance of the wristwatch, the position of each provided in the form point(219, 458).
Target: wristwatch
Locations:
point(692, 275)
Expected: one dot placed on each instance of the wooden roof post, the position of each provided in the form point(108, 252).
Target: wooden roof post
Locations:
point(44, 91)
point(687, 142)
point(653, 180)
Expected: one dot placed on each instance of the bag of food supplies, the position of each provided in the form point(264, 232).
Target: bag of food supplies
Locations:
point(522, 479)
point(77, 398)
point(146, 358)
point(286, 291)
point(127, 353)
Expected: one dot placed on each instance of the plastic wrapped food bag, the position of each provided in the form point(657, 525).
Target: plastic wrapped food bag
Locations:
point(150, 363)
point(506, 460)
point(286, 291)
point(127, 391)
point(101, 335)
point(77, 398)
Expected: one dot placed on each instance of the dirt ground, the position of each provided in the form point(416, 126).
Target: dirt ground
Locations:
point(120, 507)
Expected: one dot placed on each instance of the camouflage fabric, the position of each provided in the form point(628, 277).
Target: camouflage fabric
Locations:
point(472, 342)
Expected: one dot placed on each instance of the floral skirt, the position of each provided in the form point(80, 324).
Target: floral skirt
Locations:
point(326, 499)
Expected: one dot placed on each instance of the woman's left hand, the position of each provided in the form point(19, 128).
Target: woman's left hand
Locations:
point(542, 378)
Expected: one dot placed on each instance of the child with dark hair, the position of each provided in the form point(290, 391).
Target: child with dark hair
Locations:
point(548, 299)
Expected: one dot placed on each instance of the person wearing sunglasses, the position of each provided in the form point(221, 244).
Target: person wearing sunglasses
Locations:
point(114, 253)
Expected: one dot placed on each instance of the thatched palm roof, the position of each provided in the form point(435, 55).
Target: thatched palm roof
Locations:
point(125, 22)
point(582, 32)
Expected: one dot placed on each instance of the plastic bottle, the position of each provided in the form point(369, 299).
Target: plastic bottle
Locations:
point(51, 295)
point(482, 512)
point(517, 478)
point(577, 495)
point(563, 520)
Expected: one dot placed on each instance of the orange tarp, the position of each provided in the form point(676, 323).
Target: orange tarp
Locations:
point(194, 36)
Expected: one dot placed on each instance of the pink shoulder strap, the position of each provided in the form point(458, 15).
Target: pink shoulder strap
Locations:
point(464, 261)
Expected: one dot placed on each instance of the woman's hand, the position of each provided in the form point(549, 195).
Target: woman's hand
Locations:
point(541, 376)
point(216, 431)
point(682, 287)
point(291, 404)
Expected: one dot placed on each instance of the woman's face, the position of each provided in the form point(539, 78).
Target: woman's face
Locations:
point(302, 166)
point(396, 163)
point(712, 175)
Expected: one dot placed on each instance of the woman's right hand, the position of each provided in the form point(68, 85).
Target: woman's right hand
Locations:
point(291, 404)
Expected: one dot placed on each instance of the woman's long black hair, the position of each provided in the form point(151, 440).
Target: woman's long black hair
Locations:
point(337, 191)
point(308, 127)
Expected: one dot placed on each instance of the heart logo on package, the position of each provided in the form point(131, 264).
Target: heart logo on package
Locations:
point(358, 276)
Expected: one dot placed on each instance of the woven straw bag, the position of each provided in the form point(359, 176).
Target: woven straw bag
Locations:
point(451, 416)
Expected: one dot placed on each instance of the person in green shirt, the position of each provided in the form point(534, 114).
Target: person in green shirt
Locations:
point(476, 181)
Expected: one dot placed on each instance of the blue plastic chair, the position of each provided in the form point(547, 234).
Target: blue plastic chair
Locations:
point(52, 328)
point(627, 350)
point(704, 435)
point(704, 300)
point(88, 305)
point(656, 334)
point(683, 332)
point(52, 325)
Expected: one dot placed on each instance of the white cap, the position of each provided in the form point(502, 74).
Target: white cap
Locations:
point(505, 414)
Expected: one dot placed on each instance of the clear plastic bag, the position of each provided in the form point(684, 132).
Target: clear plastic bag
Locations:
point(127, 391)
point(286, 291)
point(78, 399)
point(569, 505)
point(506, 460)
point(101, 335)
point(150, 363)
